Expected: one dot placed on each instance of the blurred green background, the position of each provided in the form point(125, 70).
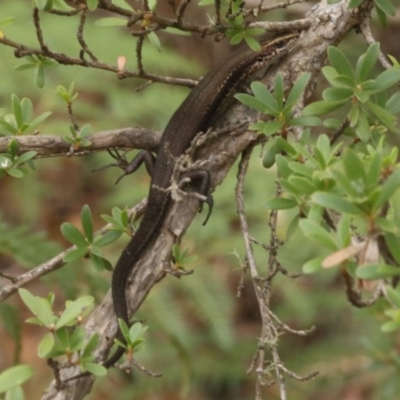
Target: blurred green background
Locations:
point(201, 336)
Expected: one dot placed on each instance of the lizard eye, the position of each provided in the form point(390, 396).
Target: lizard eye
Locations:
point(280, 44)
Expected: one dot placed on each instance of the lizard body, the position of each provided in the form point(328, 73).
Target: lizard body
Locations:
point(193, 116)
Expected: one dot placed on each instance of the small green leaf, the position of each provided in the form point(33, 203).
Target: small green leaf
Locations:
point(313, 265)
point(393, 243)
point(393, 295)
point(280, 204)
point(39, 119)
point(270, 151)
point(251, 102)
point(296, 91)
point(337, 94)
point(340, 62)
point(262, 94)
point(386, 6)
point(318, 233)
point(15, 376)
point(154, 40)
point(16, 393)
point(73, 310)
point(303, 185)
point(353, 166)
point(390, 326)
point(46, 345)
point(322, 107)
point(39, 77)
point(375, 271)
point(100, 263)
point(109, 237)
point(305, 121)
point(111, 21)
point(252, 43)
point(71, 233)
point(87, 223)
point(279, 91)
point(93, 368)
point(366, 62)
point(92, 4)
point(23, 158)
point(75, 254)
point(388, 188)
point(330, 200)
point(354, 3)
point(17, 111)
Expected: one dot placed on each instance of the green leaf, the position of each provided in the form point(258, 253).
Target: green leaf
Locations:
point(340, 62)
point(7, 21)
point(376, 271)
point(270, 151)
point(362, 127)
point(280, 204)
point(344, 230)
point(25, 66)
point(262, 93)
point(74, 309)
point(39, 77)
point(16, 393)
point(388, 188)
point(15, 376)
point(93, 368)
point(297, 90)
point(252, 43)
point(381, 16)
point(313, 265)
point(390, 326)
point(354, 3)
point(283, 166)
point(16, 173)
point(75, 254)
point(26, 109)
point(393, 295)
point(303, 185)
point(305, 121)
point(111, 21)
point(315, 231)
point(393, 243)
point(17, 111)
point(366, 62)
point(386, 6)
point(90, 346)
point(72, 234)
point(154, 40)
point(109, 237)
point(92, 4)
point(393, 104)
point(46, 345)
point(99, 263)
point(176, 31)
point(374, 170)
point(330, 200)
point(87, 223)
point(23, 158)
point(39, 119)
point(353, 166)
point(271, 127)
point(251, 102)
point(337, 94)
point(322, 107)
point(279, 91)
point(387, 78)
